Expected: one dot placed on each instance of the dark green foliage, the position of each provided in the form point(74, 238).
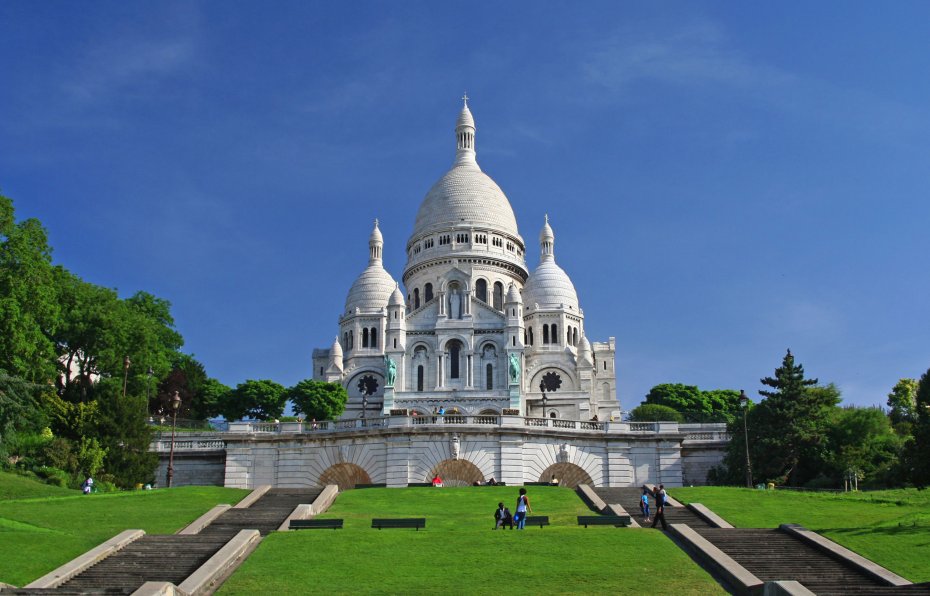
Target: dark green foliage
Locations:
point(918, 449)
point(655, 413)
point(29, 308)
point(787, 429)
point(861, 441)
point(318, 400)
point(19, 410)
point(262, 400)
point(200, 395)
point(902, 402)
point(718, 405)
point(123, 431)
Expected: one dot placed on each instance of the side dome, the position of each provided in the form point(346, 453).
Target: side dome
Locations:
point(372, 289)
point(549, 286)
point(465, 195)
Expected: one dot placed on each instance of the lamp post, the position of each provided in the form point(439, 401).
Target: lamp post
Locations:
point(175, 405)
point(542, 389)
point(148, 385)
point(364, 407)
point(744, 406)
point(126, 363)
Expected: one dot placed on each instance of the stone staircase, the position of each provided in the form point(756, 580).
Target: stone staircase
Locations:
point(628, 498)
point(772, 554)
point(172, 558)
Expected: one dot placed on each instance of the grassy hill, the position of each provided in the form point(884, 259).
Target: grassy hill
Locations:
point(459, 553)
point(42, 527)
point(890, 527)
point(14, 486)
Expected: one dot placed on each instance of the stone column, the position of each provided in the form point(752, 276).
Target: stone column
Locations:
point(441, 370)
point(470, 372)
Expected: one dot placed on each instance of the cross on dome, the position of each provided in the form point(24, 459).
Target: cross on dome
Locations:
point(465, 99)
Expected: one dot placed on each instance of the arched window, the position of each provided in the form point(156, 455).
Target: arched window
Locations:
point(498, 296)
point(490, 376)
point(321, 371)
point(575, 337)
point(374, 337)
point(395, 342)
point(531, 335)
point(428, 292)
point(420, 378)
point(481, 290)
point(552, 415)
point(455, 349)
point(545, 333)
point(555, 334)
point(351, 339)
point(345, 340)
point(568, 336)
point(365, 337)
point(416, 298)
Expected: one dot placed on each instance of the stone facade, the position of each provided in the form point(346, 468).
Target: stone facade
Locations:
point(397, 451)
point(476, 332)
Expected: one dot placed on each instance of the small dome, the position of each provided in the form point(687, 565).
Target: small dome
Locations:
point(549, 286)
point(584, 345)
point(397, 298)
point(371, 290)
point(336, 350)
point(376, 236)
point(465, 118)
point(513, 295)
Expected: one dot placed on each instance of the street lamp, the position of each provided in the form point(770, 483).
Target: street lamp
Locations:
point(126, 363)
point(542, 389)
point(148, 385)
point(175, 405)
point(364, 407)
point(744, 406)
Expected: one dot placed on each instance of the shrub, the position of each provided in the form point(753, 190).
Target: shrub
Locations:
point(54, 476)
point(654, 413)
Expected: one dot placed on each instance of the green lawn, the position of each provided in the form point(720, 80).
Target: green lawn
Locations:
point(39, 534)
point(458, 553)
point(14, 486)
point(890, 527)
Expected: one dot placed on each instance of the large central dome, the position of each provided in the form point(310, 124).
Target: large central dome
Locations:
point(465, 196)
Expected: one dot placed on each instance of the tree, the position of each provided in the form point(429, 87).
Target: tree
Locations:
point(124, 434)
point(19, 409)
point(903, 403)
point(318, 400)
point(861, 441)
point(786, 429)
point(717, 405)
point(655, 413)
point(29, 309)
point(262, 400)
point(918, 448)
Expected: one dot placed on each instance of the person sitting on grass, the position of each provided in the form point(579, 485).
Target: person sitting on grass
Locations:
point(437, 481)
point(502, 517)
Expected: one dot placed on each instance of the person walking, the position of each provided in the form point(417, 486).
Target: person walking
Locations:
point(659, 495)
point(523, 507)
point(644, 504)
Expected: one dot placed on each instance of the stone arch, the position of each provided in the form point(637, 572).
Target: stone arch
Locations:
point(457, 472)
point(570, 383)
point(567, 474)
point(345, 475)
point(489, 412)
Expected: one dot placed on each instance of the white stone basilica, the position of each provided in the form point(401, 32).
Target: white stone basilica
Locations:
point(476, 332)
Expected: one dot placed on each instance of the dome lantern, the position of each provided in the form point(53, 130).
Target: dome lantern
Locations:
point(375, 244)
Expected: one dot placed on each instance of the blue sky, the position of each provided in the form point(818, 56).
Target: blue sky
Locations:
point(725, 180)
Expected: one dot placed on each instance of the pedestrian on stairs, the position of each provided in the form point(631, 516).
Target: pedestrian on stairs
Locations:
point(659, 496)
point(644, 504)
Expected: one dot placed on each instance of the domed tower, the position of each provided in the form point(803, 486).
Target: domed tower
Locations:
point(464, 253)
point(362, 332)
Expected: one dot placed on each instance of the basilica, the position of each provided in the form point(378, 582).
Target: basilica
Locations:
point(469, 329)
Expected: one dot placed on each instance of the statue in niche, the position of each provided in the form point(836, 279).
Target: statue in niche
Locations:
point(391, 367)
point(454, 446)
point(455, 304)
point(514, 368)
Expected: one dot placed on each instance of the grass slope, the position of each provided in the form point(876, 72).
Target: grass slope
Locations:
point(14, 486)
point(890, 527)
point(39, 534)
point(458, 553)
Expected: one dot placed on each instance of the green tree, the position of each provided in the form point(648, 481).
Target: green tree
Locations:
point(918, 448)
point(29, 309)
point(123, 432)
point(19, 409)
point(787, 430)
point(262, 400)
point(903, 403)
point(861, 441)
point(723, 403)
point(318, 400)
point(655, 413)
point(717, 405)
